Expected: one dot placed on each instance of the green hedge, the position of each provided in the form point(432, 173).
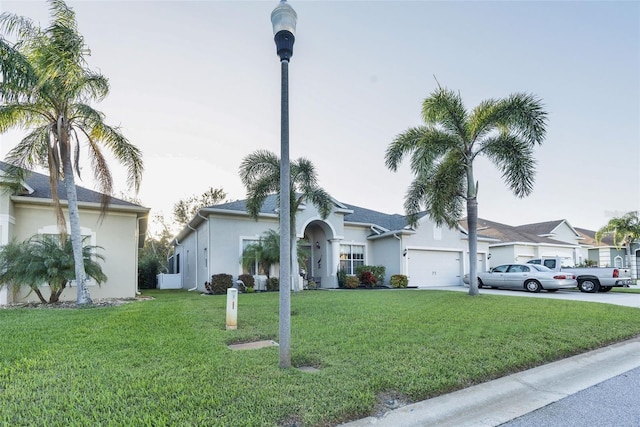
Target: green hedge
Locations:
point(399, 281)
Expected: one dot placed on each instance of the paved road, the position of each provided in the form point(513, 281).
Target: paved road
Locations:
point(617, 298)
point(612, 403)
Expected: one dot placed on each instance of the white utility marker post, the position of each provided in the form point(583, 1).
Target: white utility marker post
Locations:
point(232, 308)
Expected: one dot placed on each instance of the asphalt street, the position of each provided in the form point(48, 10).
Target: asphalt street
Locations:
point(612, 403)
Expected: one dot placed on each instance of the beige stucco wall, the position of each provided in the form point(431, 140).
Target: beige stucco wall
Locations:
point(116, 234)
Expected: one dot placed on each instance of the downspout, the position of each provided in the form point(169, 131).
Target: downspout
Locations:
point(208, 261)
point(174, 251)
point(196, 256)
point(403, 259)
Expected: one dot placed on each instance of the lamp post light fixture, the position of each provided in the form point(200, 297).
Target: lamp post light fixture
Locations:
point(283, 19)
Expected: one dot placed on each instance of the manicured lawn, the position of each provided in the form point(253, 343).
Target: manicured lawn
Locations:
point(634, 289)
point(166, 362)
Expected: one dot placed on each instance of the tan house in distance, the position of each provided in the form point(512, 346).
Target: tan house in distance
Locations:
point(120, 233)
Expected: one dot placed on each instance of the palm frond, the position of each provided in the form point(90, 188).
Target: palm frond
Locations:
point(445, 108)
point(513, 156)
point(259, 164)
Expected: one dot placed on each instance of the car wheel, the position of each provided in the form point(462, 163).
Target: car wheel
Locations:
point(604, 288)
point(552, 290)
point(532, 286)
point(589, 285)
point(480, 284)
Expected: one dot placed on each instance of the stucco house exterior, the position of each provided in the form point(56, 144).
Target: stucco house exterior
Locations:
point(120, 233)
point(554, 239)
point(214, 240)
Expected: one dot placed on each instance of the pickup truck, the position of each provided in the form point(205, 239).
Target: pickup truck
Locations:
point(590, 279)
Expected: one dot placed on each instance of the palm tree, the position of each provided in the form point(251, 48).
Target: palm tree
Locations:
point(444, 149)
point(47, 87)
point(260, 174)
point(624, 230)
point(266, 252)
point(44, 259)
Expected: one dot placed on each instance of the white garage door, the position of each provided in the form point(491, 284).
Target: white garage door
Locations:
point(433, 268)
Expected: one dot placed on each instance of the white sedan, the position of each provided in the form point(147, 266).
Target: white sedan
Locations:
point(530, 277)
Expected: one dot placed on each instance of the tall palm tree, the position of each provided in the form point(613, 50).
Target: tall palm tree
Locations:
point(260, 174)
point(625, 230)
point(47, 88)
point(444, 149)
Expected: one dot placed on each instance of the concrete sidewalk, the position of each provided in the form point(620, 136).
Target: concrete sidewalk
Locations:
point(496, 402)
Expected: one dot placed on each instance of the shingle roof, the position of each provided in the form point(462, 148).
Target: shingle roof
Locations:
point(589, 238)
point(42, 190)
point(507, 233)
point(360, 215)
point(540, 228)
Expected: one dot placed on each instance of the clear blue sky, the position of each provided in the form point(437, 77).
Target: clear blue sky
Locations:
point(195, 85)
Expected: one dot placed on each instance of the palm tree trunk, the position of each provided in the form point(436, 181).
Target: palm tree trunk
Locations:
point(472, 223)
point(76, 234)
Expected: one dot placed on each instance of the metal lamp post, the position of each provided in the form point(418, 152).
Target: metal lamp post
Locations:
point(283, 19)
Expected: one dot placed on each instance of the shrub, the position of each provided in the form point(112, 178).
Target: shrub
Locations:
point(378, 271)
point(248, 280)
point(221, 282)
point(149, 266)
point(368, 279)
point(399, 281)
point(351, 282)
point(273, 284)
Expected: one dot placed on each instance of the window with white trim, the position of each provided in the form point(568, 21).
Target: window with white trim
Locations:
point(351, 257)
point(249, 267)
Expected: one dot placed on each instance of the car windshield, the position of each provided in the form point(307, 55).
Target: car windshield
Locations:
point(540, 267)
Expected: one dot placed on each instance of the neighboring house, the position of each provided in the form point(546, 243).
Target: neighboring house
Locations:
point(606, 254)
point(214, 240)
point(552, 239)
point(120, 233)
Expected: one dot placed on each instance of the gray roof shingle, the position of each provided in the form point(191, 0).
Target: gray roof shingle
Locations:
point(391, 222)
point(42, 190)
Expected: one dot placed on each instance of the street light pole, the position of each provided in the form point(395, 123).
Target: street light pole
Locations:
point(283, 19)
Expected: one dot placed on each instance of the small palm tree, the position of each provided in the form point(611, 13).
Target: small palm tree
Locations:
point(44, 259)
point(260, 174)
point(266, 252)
point(625, 230)
point(47, 87)
point(444, 149)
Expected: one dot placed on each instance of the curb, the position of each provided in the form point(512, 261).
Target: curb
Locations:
point(496, 402)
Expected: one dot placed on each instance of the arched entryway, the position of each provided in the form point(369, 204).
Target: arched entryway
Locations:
point(322, 254)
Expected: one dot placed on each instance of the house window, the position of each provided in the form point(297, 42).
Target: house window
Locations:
point(249, 258)
point(351, 257)
point(617, 261)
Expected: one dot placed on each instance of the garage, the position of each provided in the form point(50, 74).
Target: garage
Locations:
point(433, 267)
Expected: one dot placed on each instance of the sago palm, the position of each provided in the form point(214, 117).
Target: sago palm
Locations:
point(44, 259)
point(47, 89)
point(443, 152)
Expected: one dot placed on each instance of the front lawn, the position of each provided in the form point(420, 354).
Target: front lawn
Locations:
point(166, 362)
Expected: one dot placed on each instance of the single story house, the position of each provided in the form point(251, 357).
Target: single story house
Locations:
point(213, 242)
point(120, 233)
point(554, 239)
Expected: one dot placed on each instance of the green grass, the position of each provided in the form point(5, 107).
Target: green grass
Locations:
point(633, 289)
point(166, 362)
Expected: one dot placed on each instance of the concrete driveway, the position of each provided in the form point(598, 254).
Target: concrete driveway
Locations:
point(616, 298)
